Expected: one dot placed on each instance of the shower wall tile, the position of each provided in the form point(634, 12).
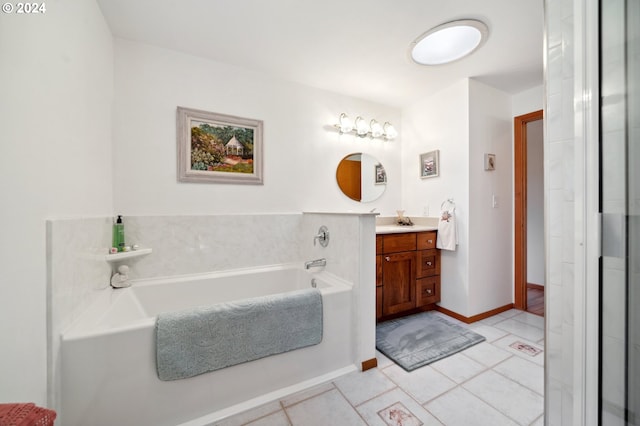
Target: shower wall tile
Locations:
point(554, 165)
point(554, 223)
point(560, 208)
point(553, 401)
point(567, 297)
point(76, 271)
point(197, 244)
point(554, 70)
point(76, 265)
point(567, 48)
point(568, 168)
point(554, 312)
point(554, 260)
point(344, 239)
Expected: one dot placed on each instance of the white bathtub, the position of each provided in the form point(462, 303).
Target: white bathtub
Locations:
point(108, 355)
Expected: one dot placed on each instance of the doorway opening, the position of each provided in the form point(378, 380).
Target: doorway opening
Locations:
point(529, 213)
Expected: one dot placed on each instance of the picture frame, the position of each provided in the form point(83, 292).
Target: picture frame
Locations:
point(430, 164)
point(218, 148)
point(489, 162)
point(380, 174)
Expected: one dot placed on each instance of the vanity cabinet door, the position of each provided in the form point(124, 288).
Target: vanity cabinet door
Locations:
point(399, 279)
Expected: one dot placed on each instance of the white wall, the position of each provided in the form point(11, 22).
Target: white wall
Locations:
point(465, 121)
point(57, 87)
point(301, 148)
point(441, 122)
point(535, 203)
point(490, 228)
point(527, 101)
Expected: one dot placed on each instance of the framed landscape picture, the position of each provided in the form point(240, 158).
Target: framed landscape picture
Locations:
point(430, 164)
point(218, 148)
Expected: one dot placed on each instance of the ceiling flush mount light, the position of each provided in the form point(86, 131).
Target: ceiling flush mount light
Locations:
point(449, 42)
point(361, 129)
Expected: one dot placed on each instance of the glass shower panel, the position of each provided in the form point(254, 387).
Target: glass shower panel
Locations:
point(633, 182)
point(620, 204)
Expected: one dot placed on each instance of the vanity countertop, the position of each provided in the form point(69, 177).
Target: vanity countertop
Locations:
point(397, 229)
point(388, 225)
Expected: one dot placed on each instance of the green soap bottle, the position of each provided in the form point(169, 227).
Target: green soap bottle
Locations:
point(118, 234)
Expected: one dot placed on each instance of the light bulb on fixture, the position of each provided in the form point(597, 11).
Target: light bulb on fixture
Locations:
point(389, 131)
point(361, 127)
point(376, 129)
point(345, 125)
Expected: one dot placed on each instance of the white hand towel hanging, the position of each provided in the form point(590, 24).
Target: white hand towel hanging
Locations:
point(447, 228)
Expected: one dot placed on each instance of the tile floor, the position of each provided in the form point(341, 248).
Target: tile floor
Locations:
point(493, 383)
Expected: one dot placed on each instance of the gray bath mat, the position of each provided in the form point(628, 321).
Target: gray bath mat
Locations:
point(420, 339)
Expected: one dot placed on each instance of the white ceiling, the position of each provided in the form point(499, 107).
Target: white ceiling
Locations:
point(355, 47)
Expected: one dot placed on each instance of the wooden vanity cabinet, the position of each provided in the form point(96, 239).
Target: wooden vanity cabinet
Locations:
point(407, 273)
point(378, 276)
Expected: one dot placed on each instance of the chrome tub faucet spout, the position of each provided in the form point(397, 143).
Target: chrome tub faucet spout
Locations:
point(314, 263)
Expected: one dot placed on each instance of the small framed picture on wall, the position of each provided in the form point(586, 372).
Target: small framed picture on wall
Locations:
point(430, 164)
point(489, 162)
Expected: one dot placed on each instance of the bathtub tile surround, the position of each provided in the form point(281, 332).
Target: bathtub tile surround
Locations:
point(76, 271)
point(199, 244)
point(188, 245)
point(506, 391)
point(350, 255)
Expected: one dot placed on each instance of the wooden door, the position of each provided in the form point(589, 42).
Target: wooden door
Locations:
point(349, 176)
point(520, 204)
point(398, 282)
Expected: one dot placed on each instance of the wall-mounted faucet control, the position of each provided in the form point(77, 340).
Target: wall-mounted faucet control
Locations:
point(315, 263)
point(323, 236)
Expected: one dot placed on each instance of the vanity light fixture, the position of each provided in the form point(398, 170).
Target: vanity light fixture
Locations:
point(376, 129)
point(361, 129)
point(345, 125)
point(449, 42)
point(390, 132)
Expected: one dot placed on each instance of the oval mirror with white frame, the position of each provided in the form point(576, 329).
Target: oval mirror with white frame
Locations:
point(361, 177)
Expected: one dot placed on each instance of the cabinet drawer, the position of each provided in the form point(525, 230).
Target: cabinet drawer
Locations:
point(428, 263)
point(427, 240)
point(398, 242)
point(427, 291)
point(378, 244)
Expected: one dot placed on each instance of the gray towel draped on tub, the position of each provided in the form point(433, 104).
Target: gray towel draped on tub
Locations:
point(203, 339)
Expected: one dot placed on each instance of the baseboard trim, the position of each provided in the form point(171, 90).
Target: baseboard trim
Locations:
point(535, 286)
point(369, 364)
point(472, 319)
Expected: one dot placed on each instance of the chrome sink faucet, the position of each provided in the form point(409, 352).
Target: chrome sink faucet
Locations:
point(314, 263)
